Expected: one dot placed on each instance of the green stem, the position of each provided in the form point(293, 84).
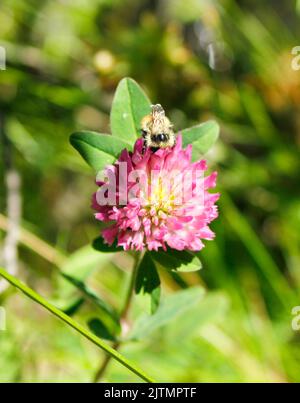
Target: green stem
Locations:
point(137, 259)
point(80, 329)
point(123, 315)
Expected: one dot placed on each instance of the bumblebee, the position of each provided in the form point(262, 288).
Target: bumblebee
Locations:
point(157, 130)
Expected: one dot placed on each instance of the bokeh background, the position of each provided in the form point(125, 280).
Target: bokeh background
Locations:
point(225, 60)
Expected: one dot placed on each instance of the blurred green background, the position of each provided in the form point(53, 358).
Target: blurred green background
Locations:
point(224, 60)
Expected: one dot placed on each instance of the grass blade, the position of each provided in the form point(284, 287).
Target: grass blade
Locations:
point(79, 328)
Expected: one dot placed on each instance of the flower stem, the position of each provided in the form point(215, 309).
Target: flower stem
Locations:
point(123, 316)
point(79, 328)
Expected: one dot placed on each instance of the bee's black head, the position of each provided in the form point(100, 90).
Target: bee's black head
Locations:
point(159, 138)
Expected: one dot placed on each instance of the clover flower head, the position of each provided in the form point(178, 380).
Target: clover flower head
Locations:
point(168, 206)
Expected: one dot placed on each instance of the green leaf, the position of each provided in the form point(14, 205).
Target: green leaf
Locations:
point(170, 308)
point(129, 106)
point(100, 246)
point(172, 259)
point(147, 281)
point(93, 297)
point(155, 299)
point(202, 136)
point(100, 330)
point(212, 310)
point(98, 150)
point(79, 265)
point(74, 306)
